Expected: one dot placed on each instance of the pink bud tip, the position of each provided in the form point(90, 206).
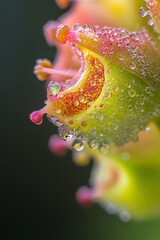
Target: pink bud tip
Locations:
point(57, 145)
point(84, 196)
point(36, 117)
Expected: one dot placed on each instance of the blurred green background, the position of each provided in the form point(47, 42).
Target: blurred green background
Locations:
point(37, 188)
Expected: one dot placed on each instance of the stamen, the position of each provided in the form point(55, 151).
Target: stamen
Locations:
point(38, 69)
point(64, 72)
point(44, 70)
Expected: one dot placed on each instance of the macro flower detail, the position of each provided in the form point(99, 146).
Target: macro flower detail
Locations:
point(115, 66)
point(102, 94)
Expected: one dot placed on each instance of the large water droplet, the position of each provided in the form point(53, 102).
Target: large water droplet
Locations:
point(53, 88)
point(65, 132)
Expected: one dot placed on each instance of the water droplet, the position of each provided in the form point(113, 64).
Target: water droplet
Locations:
point(53, 88)
point(107, 95)
point(120, 57)
point(147, 129)
point(87, 27)
point(93, 144)
point(150, 21)
point(82, 99)
point(141, 102)
point(101, 105)
point(99, 116)
point(143, 12)
point(124, 216)
point(132, 66)
point(58, 110)
point(70, 122)
point(76, 103)
point(77, 26)
point(54, 120)
point(130, 108)
point(128, 85)
point(83, 123)
point(78, 145)
point(65, 132)
point(134, 36)
point(111, 208)
point(115, 88)
point(92, 83)
point(132, 93)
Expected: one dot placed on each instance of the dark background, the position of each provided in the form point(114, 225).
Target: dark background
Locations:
point(37, 188)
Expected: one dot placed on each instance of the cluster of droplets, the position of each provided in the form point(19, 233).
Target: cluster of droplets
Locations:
point(135, 51)
point(112, 209)
point(132, 51)
point(153, 14)
point(136, 117)
point(135, 102)
point(144, 13)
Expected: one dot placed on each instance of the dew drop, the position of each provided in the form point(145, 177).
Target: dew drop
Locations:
point(77, 145)
point(141, 102)
point(82, 99)
point(132, 93)
point(124, 216)
point(101, 105)
point(76, 103)
point(147, 129)
point(93, 144)
point(92, 83)
point(128, 85)
point(58, 110)
point(87, 27)
point(83, 123)
point(115, 88)
point(53, 88)
point(54, 120)
point(65, 133)
point(143, 12)
point(150, 21)
point(99, 116)
point(120, 57)
point(111, 208)
point(77, 26)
